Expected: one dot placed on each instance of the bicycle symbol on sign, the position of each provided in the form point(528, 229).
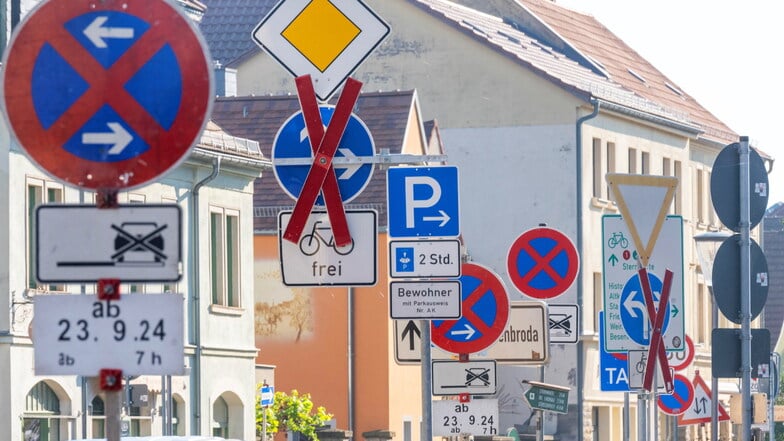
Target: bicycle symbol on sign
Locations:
point(618, 239)
point(640, 366)
point(310, 243)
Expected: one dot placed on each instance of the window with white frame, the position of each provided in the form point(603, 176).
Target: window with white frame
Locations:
point(603, 163)
point(700, 196)
point(678, 200)
point(39, 191)
point(224, 256)
point(646, 163)
point(632, 161)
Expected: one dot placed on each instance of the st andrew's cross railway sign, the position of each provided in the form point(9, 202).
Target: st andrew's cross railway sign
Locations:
point(107, 95)
point(543, 263)
point(325, 39)
point(485, 308)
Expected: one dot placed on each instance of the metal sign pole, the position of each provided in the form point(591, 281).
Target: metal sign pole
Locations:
point(745, 288)
point(626, 421)
point(714, 379)
point(642, 416)
point(427, 382)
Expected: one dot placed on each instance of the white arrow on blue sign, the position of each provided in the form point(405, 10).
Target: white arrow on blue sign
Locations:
point(423, 201)
point(292, 156)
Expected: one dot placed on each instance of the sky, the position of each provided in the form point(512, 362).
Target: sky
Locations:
point(728, 55)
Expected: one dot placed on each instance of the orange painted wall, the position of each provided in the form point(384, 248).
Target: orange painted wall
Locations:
point(312, 356)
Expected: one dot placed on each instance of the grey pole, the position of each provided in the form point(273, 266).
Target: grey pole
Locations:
point(642, 416)
point(626, 421)
point(714, 379)
point(427, 383)
point(775, 361)
point(745, 288)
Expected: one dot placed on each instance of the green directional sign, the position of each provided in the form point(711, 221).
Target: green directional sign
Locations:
point(550, 397)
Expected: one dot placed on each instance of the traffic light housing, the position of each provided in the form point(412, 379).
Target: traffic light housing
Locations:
point(759, 408)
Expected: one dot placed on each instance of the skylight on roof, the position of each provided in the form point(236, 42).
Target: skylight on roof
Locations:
point(636, 75)
point(674, 89)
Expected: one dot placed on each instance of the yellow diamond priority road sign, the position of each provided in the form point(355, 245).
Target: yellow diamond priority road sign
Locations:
point(327, 39)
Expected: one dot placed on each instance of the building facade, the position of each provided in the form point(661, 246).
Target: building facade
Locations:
point(536, 104)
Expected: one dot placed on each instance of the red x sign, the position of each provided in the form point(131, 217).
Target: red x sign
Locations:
point(656, 349)
point(321, 177)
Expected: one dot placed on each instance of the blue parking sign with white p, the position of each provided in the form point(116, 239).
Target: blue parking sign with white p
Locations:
point(423, 201)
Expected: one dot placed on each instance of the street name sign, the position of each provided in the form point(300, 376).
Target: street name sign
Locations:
point(316, 260)
point(423, 201)
point(84, 243)
point(475, 417)
point(428, 300)
point(326, 39)
point(107, 95)
point(142, 334)
point(524, 341)
point(548, 397)
point(474, 377)
point(627, 326)
point(415, 259)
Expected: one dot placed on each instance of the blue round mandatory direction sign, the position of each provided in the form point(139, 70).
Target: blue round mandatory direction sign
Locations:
point(681, 398)
point(634, 315)
point(292, 143)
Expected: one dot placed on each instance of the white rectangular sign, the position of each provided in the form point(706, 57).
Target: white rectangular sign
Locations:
point(84, 243)
point(436, 300)
point(424, 258)
point(626, 324)
point(637, 363)
point(564, 323)
point(141, 334)
point(452, 377)
point(526, 339)
point(316, 261)
point(476, 417)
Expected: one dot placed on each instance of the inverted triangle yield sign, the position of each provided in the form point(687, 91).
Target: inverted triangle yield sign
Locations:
point(643, 201)
point(700, 410)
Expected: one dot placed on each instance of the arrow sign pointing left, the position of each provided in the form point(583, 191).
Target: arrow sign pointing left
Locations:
point(118, 138)
point(96, 32)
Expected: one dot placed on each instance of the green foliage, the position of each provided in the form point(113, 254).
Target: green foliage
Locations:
point(293, 412)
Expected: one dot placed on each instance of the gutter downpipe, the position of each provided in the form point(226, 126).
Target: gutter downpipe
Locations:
point(196, 319)
point(580, 278)
point(350, 373)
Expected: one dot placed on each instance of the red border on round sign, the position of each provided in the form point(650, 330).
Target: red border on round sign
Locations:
point(689, 350)
point(690, 388)
point(492, 282)
point(167, 147)
point(520, 280)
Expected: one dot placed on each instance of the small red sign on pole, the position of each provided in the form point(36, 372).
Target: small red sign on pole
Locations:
point(322, 175)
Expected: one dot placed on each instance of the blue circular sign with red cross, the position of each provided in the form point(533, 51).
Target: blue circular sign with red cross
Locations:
point(681, 398)
point(542, 263)
point(107, 95)
point(485, 313)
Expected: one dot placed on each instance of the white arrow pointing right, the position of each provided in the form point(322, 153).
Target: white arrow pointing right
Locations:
point(468, 331)
point(444, 218)
point(118, 138)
